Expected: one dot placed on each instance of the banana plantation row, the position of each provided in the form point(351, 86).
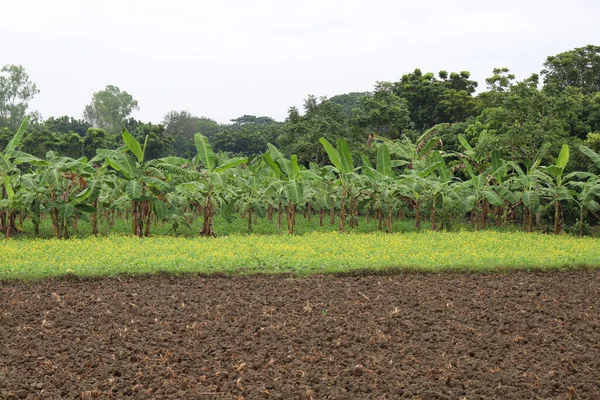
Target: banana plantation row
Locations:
point(407, 178)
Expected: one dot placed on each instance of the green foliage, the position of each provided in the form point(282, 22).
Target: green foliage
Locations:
point(248, 135)
point(16, 90)
point(181, 126)
point(205, 152)
point(109, 109)
point(322, 118)
point(432, 101)
point(579, 68)
point(383, 112)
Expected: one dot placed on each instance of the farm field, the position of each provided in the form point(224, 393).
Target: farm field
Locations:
point(510, 335)
point(312, 253)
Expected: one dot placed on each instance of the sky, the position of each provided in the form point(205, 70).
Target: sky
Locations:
point(223, 59)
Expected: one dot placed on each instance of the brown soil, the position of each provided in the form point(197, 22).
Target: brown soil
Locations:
point(420, 336)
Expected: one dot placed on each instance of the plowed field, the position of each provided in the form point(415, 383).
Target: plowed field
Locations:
point(422, 336)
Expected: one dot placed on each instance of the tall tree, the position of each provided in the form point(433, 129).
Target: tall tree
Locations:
point(15, 92)
point(383, 111)
point(432, 100)
point(322, 118)
point(523, 120)
point(579, 67)
point(349, 102)
point(109, 109)
point(182, 126)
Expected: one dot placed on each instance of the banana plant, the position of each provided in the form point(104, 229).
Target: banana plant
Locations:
point(212, 185)
point(145, 188)
point(251, 200)
point(498, 172)
point(342, 161)
point(421, 161)
point(482, 193)
point(11, 204)
point(9, 159)
point(62, 191)
point(555, 187)
point(290, 181)
point(585, 192)
point(526, 186)
point(384, 189)
point(588, 188)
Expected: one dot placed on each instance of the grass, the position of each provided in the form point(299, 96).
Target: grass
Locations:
point(312, 253)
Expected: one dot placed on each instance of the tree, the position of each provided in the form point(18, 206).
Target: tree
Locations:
point(253, 120)
point(67, 124)
point(349, 102)
point(15, 91)
point(523, 119)
point(97, 139)
point(432, 101)
point(39, 140)
point(109, 109)
point(322, 118)
point(383, 112)
point(579, 67)
point(159, 144)
point(246, 139)
point(182, 126)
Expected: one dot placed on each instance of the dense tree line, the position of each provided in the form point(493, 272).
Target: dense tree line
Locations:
point(560, 105)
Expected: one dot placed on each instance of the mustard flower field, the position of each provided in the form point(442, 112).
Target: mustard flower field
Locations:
point(314, 253)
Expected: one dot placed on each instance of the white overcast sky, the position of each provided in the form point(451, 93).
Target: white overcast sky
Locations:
point(223, 59)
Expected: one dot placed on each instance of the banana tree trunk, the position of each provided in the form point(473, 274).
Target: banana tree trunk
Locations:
point(54, 214)
point(137, 218)
point(94, 218)
point(148, 215)
point(321, 216)
point(418, 214)
point(484, 212)
point(390, 219)
point(432, 217)
point(332, 213)
point(342, 213)
point(556, 217)
point(55, 223)
point(353, 216)
point(207, 224)
point(279, 217)
point(291, 216)
point(8, 225)
point(499, 211)
point(76, 224)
